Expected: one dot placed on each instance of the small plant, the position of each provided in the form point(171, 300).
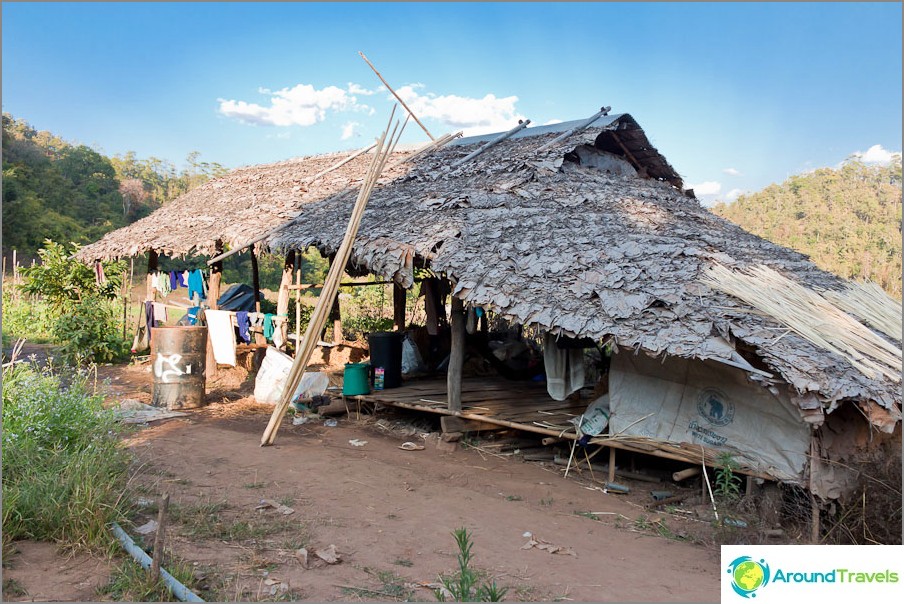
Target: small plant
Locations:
point(546, 502)
point(590, 515)
point(728, 484)
point(64, 471)
point(514, 498)
point(465, 585)
point(131, 583)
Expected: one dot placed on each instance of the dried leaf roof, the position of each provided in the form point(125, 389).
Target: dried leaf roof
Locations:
point(572, 249)
point(234, 208)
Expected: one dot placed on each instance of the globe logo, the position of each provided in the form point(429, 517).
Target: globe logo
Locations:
point(748, 575)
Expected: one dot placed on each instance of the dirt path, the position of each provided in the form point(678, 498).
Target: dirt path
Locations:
point(389, 513)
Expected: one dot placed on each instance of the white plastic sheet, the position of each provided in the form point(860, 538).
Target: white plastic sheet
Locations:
point(708, 403)
point(272, 376)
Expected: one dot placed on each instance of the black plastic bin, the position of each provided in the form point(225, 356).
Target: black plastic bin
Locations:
point(386, 352)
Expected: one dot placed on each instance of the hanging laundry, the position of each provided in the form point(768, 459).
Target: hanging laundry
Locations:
point(241, 318)
point(268, 326)
point(149, 317)
point(196, 285)
point(183, 278)
point(162, 283)
point(222, 335)
point(281, 325)
point(564, 368)
point(159, 314)
point(99, 277)
point(173, 280)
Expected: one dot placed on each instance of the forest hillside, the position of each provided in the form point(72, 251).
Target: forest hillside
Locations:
point(846, 219)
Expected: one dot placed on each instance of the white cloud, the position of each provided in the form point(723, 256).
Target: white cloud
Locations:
point(734, 194)
point(876, 155)
point(731, 171)
point(301, 105)
point(709, 187)
point(472, 115)
point(552, 121)
point(349, 130)
point(356, 89)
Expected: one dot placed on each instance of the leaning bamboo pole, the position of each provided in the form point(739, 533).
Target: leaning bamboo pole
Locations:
point(385, 146)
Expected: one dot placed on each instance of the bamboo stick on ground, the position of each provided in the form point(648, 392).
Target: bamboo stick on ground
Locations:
point(385, 146)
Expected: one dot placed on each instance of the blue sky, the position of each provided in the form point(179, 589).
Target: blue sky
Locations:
point(735, 95)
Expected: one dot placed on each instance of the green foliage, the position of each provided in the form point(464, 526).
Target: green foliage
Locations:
point(86, 323)
point(63, 282)
point(728, 484)
point(366, 310)
point(466, 584)
point(848, 220)
point(28, 318)
point(53, 189)
point(92, 332)
point(64, 472)
point(74, 193)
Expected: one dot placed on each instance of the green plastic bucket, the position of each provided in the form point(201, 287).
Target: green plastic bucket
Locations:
point(356, 379)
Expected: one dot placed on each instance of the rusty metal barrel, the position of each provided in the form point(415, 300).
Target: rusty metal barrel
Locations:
point(178, 361)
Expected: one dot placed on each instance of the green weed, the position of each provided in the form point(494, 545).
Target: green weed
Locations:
point(468, 584)
point(129, 582)
point(64, 471)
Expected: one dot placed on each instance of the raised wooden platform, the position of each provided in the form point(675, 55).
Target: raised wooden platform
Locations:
point(527, 406)
point(494, 400)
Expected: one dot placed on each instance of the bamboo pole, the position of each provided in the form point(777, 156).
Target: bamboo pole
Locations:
point(338, 165)
point(457, 355)
point(398, 98)
point(385, 146)
point(603, 111)
point(521, 126)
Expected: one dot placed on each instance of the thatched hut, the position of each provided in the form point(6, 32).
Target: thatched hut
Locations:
point(590, 235)
point(235, 211)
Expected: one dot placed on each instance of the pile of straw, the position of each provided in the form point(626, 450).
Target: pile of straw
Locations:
point(869, 302)
point(810, 316)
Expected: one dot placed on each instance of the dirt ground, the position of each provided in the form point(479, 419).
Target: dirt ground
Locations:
point(388, 513)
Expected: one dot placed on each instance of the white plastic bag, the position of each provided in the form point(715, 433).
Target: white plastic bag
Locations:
point(272, 376)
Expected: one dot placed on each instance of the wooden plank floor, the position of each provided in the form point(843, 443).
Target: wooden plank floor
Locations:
point(524, 403)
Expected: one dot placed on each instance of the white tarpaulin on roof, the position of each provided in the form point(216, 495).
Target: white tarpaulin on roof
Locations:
point(705, 402)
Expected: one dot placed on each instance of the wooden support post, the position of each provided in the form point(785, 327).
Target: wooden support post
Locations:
point(159, 537)
point(298, 264)
point(814, 501)
point(282, 299)
point(398, 306)
point(152, 268)
point(611, 464)
point(259, 338)
point(255, 279)
point(457, 356)
point(336, 318)
point(213, 293)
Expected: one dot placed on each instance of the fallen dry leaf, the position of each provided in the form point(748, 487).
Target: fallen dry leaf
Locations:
point(328, 555)
point(549, 547)
point(410, 446)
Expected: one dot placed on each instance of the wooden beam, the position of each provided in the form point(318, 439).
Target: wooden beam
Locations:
point(451, 423)
point(152, 268)
point(398, 98)
point(213, 293)
point(457, 355)
point(282, 299)
point(399, 295)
